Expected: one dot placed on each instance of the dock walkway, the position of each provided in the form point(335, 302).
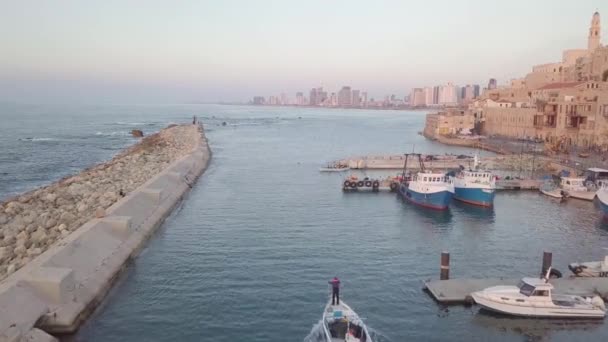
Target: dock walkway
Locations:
point(456, 291)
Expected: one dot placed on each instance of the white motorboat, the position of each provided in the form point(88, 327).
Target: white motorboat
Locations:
point(590, 269)
point(533, 297)
point(341, 323)
point(575, 187)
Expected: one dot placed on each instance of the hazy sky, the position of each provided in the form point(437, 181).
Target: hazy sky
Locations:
point(120, 51)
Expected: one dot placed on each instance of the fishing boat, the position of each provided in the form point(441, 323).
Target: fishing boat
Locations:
point(534, 297)
point(590, 269)
point(475, 186)
point(575, 187)
point(341, 323)
point(426, 188)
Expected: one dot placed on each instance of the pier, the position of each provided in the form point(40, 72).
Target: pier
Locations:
point(458, 291)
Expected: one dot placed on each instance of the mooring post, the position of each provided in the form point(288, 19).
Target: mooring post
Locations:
point(547, 258)
point(445, 266)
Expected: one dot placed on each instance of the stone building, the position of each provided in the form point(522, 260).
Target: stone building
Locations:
point(565, 102)
point(449, 122)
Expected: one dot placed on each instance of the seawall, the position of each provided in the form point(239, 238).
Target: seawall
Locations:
point(56, 290)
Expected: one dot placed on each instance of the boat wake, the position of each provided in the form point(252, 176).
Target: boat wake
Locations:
point(316, 333)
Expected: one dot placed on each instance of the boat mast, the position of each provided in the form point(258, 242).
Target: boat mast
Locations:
point(404, 168)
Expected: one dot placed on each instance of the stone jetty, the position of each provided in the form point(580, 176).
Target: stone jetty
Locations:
point(62, 246)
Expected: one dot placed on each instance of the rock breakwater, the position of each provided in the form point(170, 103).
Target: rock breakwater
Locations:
point(34, 221)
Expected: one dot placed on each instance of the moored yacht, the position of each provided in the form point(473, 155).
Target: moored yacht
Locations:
point(534, 297)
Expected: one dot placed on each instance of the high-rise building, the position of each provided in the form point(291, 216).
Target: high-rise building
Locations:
point(468, 93)
point(492, 84)
point(428, 96)
point(313, 97)
point(259, 100)
point(436, 90)
point(284, 99)
point(417, 97)
point(448, 94)
point(356, 101)
point(345, 96)
point(333, 100)
point(300, 99)
point(476, 91)
point(364, 99)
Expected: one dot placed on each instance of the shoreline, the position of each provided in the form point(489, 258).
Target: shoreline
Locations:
point(58, 289)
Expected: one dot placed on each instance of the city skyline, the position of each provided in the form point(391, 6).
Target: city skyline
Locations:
point(232, 50)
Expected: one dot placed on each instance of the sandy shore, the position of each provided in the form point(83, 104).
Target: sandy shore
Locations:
point(34, 221)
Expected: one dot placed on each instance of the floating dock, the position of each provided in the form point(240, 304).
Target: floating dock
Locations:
point(457, 291)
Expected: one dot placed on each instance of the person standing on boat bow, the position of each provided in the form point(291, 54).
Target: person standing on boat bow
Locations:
point(335, 291)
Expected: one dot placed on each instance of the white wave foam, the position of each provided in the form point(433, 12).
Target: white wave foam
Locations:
point(111, 134)
point(316, 333)
point(38, 139)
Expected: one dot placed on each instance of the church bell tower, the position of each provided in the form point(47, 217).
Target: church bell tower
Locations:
point(593, 41)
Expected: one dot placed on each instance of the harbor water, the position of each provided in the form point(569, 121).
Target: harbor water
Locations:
point(247, 256)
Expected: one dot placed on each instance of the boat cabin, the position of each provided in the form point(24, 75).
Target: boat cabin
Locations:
point(477, 176)
point(535, 287)
point(573, 184)
point(431, 178)
point(597, 176)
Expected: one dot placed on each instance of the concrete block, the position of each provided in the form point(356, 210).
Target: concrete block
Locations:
point(12, 334)
point(37, 335)
point(54, 283)
point(121, 224)
point(155, 194)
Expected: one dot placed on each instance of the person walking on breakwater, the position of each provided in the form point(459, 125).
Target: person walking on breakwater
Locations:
point(335, 291)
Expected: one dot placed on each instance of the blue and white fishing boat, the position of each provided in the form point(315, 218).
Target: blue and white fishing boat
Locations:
point(475, 186)
point(426, 188)
point(602, 196)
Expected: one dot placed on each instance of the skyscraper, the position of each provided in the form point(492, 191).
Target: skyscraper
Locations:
point(417, 97)
point(364, 99)
point(299, 98)
point(428, 96)
point(492, 84)
point(436, 90)
point(356, 102)
point(313, 97)
point(345, 96)
point(476, 91)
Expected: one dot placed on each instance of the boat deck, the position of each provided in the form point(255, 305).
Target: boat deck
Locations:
point(456, 291)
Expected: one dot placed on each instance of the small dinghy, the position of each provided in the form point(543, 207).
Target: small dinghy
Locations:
point(533, 297)
point(341, 323)
point(590, 269)
point(551, 190)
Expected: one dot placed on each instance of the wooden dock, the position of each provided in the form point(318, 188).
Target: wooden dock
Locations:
point(456, 291)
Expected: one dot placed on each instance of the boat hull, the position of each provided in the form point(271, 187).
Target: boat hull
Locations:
point(540, 312)
point(483, 197)
point(602, 197)
point(435, 200)
point(582, 195)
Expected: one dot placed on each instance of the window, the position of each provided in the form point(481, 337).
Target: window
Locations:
point(424, 179)
point(541, 293)
point(525, 289)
